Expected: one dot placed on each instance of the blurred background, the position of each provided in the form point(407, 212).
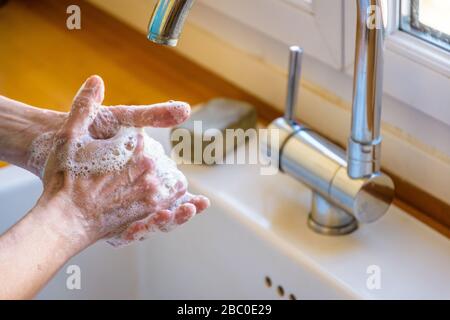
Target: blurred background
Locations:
point(238, 49)
point(44, 63)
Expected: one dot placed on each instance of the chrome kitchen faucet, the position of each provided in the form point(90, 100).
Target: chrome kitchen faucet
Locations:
point(347, 188)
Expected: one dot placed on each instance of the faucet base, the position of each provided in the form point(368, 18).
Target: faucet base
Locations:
point(328, 219)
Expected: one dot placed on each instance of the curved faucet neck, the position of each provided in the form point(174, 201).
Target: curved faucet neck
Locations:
point(363, 156)
point(364, 142)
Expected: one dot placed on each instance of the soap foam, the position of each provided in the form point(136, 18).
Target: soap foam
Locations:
point(39, 151)
point(166, 170)
point(84, 156)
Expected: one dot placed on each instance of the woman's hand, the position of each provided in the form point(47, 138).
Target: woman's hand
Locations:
point(113, 188)
point(103, 179)
point(108, 122)
point(23, 144)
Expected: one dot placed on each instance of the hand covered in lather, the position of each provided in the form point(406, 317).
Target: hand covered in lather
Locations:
point(110, 179)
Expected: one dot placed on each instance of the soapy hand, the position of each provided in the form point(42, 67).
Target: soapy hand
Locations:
point(106, 124)
point(116, 181)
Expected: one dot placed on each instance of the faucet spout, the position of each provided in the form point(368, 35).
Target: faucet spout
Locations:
point(168, 20)
point(364, 145)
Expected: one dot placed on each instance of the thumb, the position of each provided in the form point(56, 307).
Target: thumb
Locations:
point(86, 105)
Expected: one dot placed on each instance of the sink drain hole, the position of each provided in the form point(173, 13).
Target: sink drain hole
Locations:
point(268, 282)
point(280, 291)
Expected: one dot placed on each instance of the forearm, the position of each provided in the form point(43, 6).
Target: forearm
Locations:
point(34, 249)
point(20, 124)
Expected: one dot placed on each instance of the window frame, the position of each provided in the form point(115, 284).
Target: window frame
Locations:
point(412, 25)
point(425, 66)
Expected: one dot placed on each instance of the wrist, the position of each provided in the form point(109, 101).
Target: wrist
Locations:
point(36, 247)
point(63, 221)
point(20, 125)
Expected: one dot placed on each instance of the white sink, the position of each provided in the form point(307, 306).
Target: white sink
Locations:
point(255, 229)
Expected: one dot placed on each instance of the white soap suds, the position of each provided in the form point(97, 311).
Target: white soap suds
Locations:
point(87, 156)
point(166, 170)
point(39, 151)
point(83, 156)
point(169, 177)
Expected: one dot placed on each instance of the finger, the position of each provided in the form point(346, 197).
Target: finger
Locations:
point(201, 203)
point(85, 105)
point(105, 125)
point(184, 213)
point(175, 197)
point(139, 229)
point(139, 146)
point(160, 115)
point(139, 163)
point(109, 119)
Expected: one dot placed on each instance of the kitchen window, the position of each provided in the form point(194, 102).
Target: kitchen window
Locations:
point(427, 20)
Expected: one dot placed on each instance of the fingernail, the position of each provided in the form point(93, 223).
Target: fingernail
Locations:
point(94, 83)
point(91, 82)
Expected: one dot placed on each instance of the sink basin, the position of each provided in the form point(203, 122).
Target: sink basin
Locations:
point(253, 243)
